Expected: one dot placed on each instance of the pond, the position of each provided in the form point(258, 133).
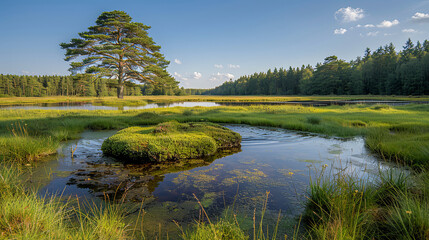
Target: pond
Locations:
point(270, 160)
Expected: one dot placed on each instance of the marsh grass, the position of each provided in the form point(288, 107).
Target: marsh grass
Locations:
point(228, 227)
point(314, 120)
point(336, 207)
point(199, 98)
point(26, 215)
point(342, 207)
point(399, 134)
point(392, 207)
point(102, 221)
point(21, 147)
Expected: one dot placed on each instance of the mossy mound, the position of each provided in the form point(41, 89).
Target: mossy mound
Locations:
point(170, 141)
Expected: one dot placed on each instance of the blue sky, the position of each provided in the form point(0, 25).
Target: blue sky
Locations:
point(209, 42)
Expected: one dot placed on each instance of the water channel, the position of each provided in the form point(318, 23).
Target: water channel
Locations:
point(270, 159)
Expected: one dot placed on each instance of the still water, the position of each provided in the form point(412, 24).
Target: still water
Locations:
point(270, 159)
point(90, 106)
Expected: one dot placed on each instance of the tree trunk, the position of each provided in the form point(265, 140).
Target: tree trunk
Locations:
point(121, 91)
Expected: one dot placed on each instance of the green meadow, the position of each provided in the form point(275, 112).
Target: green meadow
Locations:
point(338, 207)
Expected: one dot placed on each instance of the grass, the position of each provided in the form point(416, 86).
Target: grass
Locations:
point(340, 207)
point(141, 100)
point(399, 133)
point(343, 207)
point(20, 147)
point(25, 215)
point(170, 141)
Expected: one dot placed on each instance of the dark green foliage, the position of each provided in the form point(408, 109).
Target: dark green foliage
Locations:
point(78, 85)
point(382, 72)
point(314, 120)
point(117, 48)
point(391, 186)
point(170, 141)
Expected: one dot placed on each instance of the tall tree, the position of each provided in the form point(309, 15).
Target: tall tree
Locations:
point(117, 48)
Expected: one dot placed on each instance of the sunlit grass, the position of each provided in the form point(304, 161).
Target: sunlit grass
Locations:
point(344, 207)
point(140, 100)
point(396, 133)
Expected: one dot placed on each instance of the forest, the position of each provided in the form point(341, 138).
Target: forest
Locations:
point(78, 85)
point(381, 72)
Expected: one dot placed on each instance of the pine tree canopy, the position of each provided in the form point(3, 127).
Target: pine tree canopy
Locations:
point(117, 48)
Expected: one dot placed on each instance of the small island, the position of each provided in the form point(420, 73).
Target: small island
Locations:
point(170, 141)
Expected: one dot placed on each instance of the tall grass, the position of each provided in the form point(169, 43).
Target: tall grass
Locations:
point(228, 227)
point(336, 207)
point(342, 207)
point(392, 207)
point(21, 147)
point(26, 215)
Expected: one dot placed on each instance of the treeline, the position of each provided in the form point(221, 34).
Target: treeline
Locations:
point(78, 85)
point(380, 72)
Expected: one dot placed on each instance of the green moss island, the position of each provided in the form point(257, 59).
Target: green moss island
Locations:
point(170, 141)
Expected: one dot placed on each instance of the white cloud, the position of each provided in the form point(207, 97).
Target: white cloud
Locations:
point(218, 66)
point(221, 77)
point(197, 75)
point(349, 14)
point(420, 16)
point(229, 75)
point(365, 26)
point(233, 66)
point(180, 77)
point(177, 61)
point(372, 34)
point(388, 24)
point(340, 31)
point(409, 30)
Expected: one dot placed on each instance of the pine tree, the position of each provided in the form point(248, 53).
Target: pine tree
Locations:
point(117, 48)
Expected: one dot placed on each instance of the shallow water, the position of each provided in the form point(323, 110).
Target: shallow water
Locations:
point(274, 160)
point(90, 106)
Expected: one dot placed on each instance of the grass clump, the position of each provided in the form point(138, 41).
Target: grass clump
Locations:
point(26, 149)
point(408, 220)
point(31, 217)
point(314, 120)
point(220, 230)
point(170, 141)
point(336, 208)
point(394, 206)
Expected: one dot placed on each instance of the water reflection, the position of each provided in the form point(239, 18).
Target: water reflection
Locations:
point(133, 182)
point(274, 160)
point(97, 106)
point(90, 106)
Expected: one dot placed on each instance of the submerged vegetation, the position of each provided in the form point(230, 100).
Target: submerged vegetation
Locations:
point(170, 141)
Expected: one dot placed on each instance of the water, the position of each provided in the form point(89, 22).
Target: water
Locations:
point(90, 106)
point(270, 159)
